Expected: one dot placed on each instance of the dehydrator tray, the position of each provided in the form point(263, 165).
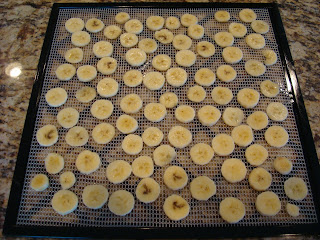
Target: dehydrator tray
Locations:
point(30, 213)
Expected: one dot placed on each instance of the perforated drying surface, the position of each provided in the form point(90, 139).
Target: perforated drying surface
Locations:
point(35, 207)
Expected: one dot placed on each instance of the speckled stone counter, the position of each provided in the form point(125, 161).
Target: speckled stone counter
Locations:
point(23, 27)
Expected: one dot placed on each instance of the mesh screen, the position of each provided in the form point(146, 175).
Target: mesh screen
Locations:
point(35, 207)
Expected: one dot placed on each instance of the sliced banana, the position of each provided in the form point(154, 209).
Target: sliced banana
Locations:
point(148, 45)
point(202, 188)
point(133, 26)
point(276, 136)
point(181, 42)
point(161, 62)
point(242, 135)
point(221, 95)
point(238, 30)
point(128, 40)
point(87, 162)
point(67, 180)
point(176, 77)
point(39, 182)
point(172, 23)
point(233, 170)
point(258, 120)
point(255, 68)
point(260, 26)
point(118, 171)
point(179, 137)
point(205, 49)
point(94, 25)
point(295, 188)
point(232, 210)
point(188, 19)
point(95, 196)
point(142, 167)
point(205, 77)
point(222, 16)
point(103, 133)
point(155, 23)
point(232, 55)
point(282, 165)
point(77, 136)
point(175, 177)
point(107, 65)
point(184, 113)
point(56, 97)
point(86, 94)
point(233, 116)
point(223, 144)
point(164, 155)
point(255, 41)
point(54, 163)
point(101, 109)
point(74, 55)
point(247, 15)
point(195, 31)
point(102, 49)
point(164, 36)
point(74, 25)
point(86, 73)
point(132, 78)
point(136, 57)
point(256, 154)
point(132, 144)
point(248, 98)
point(155, 112)
point(153, 80)
point(148, 190)
point(68, 117)
point(277, 111)
point(196, 93)
point(292, 210)
point(208, 115)
point(107, 87)
point(80, 38)
point(121, 202)
point(176, 208)
point(47, 135)
point(169, 99)
point(268, 203)
point(65, 72)
point(270, 57)
point(224, 39)
point(185, 58)
point(122, 17)
point(152, 136)
point(64, 202)
point(269, 89)
point(131, 103)
point(226, 73)
point(260, 179)
point(201, 153)
point(126, 124)
point(112, 32)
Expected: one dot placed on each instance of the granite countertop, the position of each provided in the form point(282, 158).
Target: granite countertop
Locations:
point(23, 27)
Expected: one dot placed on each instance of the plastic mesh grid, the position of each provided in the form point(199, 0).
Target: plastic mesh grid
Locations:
point(35, 207)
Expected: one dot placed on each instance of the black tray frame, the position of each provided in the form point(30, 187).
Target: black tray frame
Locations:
point(10, 227)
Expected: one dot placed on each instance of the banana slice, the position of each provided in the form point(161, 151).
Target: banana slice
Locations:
point(80, 38)
point(176, 77)
point(232, 55)
point(195, 31)
point(142, 167)
point(169, 99)
point(112, 32)
point(126, 124)
point(86, 73)
point(164, 36)
point(181, 42)
point(94, 25)
point(133, 26)
point(87, 162)
point(269, 89)
point(121, 202)
point(255, 68)
point(205, 49)
point(39, 182)
point(132, 144)
point(226, 73)
point(131, 103)
point(107, 65)
point(65, 72)
point(136, 57)
point(176, 208)
point(201, 153)
point(64, 202)
point(132, 78)
point(185, 58)
point(276, 136)
point(268, 203)
point(101, 109)
point(148, 45)
point(95, 196)
point(223, 144)
point(122, 17)
point(233, 170)
point(221, 95)
point(238, 30)
point(175, 177)
point(248, 98)
point(77, 136)
point(260, 179)
point(242, 135)
point(188, 19)
point(74, 25)
point(153, 80)
point(277, 111)
point(292, 210)
point(74, 55)
point(152, 136)
point(47, 135)
point(172, 23)
point(283, 165)
point(260, 26)
point(107, 87)
point(295, 188)
point(161, 62)
point(270, 57)
point(128, 40)
point(118, 171)
point(155, 112)
point(205, 77)
point(163, 155)
point(233, 116)
point(179, 137)
point(208, 115)
point(255, 41)
point(155, 23)
point(54, 163)
point(67, 180)
point(258, 120)
point(103, 133)
point(232, 210)
point(86, 94)
point(202, 188)
point(185, 113)
point(222, 16)
point(148, 190)
point(224, 39)
point(102, 49)
point(68, 117)
point(56, 97)
point(196, 94)
point(256, 154)
point(247, 15)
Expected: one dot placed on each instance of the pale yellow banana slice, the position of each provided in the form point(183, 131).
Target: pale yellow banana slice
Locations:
point(164, 36)
point(205, 77)
point(232, 55)
point(74, 55)
point(47, 135)
point(223, 144)
point(128, 40)
point(176, 77)
point(95, 196)
point(64, 202)
point(277, 111)
point(247, 15)
point(169, 99)
point(74, 25)
point(205, 49)
point(39, 182)
point(282, 165)
point(122, 17)
point(276, 136)
point(238, 30)
point(202, 188)
point(54, 163)
point(188, 19)
point(67, 180)
point(172, 23)
point(260, 26)
point(208, 115)
point(161, 62)
point(153, 80)
point(86, 73)
point(133, 26)
point(148, 45)
point(121, 202)
point(68, 117)
point(102, 49)
point(233, 170)
point(176, 207)
point(201, 153)
point(185, 58)
point(255, 41)
point(155, 23)
point(107, 87)
point(87, 162)
point(142, 167)
point(152, 136)
point(103, 133)
point(112, 32)
point(101, 109)
point(132, 144)
point(195, 31)
point(94, 25)
point(196, 93)
point(155, 112)
point(131, 103)
point(242, 135)
point(222, 16)
point(136, 57)
point(295, 188)
point(175, 177)
point(148, 190)
point(164, 155)
point(56, 97)
point(258, 120)
point(269, 89)
point(77, 136)
point(86, 94)
point(181, 42)
point(221, 95)
point(270, 57)
point(232, 210)
point(126, 124)
point(233, 116)
point(132, 78)
point(107, 65)
point(226, 73)
point(185, 113)
point(118, 171)
point(255, 68)
point(80, 38)
point(248, 98)
point(179, 137)
point(256, 154)
point(224, 39)
point(260, 179)
point(268, 203)
point(65, 72)
point(292, 210)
